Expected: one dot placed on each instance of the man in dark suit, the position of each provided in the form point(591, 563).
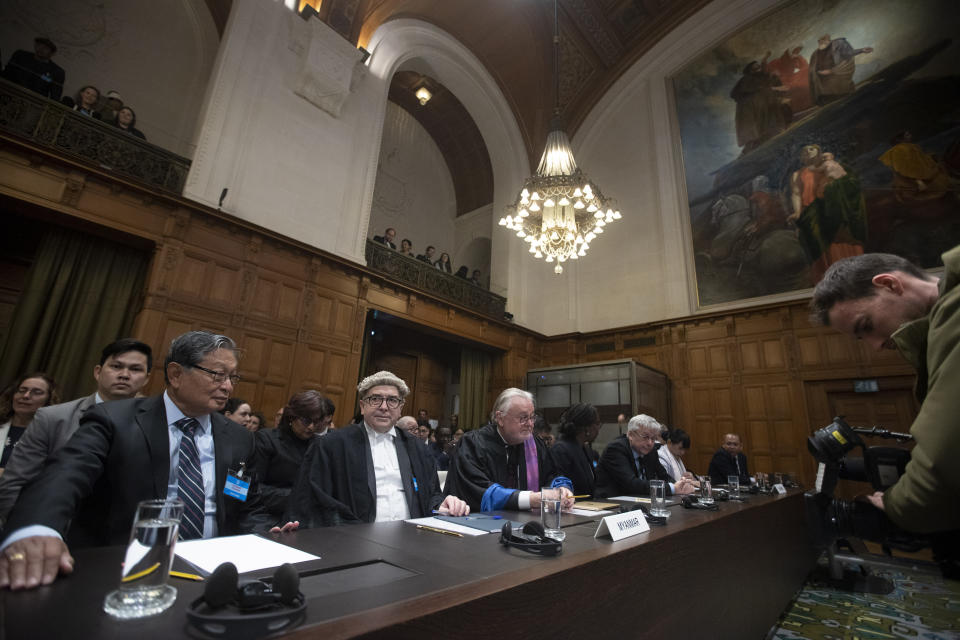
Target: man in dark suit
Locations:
point(124, 369)
point(630, 462)
point(387, 237)
point(370, 472)
point(131, 450)
point(729, 461)
point(427, 255)
point(36, 71)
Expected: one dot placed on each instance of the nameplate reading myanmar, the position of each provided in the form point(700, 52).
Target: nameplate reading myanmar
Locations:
point(622, 525)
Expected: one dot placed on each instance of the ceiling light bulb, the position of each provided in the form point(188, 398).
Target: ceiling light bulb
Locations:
point(423, 95)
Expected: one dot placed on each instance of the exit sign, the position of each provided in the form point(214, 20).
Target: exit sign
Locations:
point(865, 386)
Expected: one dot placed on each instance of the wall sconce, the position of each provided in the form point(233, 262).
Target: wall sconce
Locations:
point(423, 95)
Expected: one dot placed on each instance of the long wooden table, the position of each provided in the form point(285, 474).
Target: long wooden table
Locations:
point(723, 574)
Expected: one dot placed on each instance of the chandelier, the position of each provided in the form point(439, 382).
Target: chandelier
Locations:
point(560, 210)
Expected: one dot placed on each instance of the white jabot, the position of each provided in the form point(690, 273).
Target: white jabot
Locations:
point(391, 503)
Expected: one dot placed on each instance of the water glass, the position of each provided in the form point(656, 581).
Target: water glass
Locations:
point(734, 483)
point(658, 498)
point(706, 490)
point(143, 587)
point(551, 504)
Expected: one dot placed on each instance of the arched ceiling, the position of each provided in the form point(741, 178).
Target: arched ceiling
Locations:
point(599, 40)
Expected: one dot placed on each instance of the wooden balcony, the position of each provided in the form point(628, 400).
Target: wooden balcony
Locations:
point(52, 125)
point(426, 277)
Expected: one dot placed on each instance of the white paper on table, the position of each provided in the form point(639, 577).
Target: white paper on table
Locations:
point(636, 499)
point(447, 526)
point(588, 512)
point(249, 552)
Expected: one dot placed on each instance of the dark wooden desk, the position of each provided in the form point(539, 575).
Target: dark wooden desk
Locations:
point(724, 574)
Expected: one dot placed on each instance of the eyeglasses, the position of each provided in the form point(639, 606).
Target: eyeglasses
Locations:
point(27, 391)
point(523, 418)
point(646, 436)
point(218, 376)
point(375, 401)
point(318, 422)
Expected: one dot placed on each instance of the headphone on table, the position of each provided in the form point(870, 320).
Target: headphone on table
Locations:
point(532, 539)
point(247, 609)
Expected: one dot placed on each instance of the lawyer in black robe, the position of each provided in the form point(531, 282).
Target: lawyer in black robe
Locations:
point(484, 458)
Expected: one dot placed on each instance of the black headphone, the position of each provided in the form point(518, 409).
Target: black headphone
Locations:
point(532, 539)
point(256, 608)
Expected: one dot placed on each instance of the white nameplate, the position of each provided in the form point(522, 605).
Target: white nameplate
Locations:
point(779, 488)
point(622, 525)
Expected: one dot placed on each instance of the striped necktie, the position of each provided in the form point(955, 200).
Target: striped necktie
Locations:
point(190, 481)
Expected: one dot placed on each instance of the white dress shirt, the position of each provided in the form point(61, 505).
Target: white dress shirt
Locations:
point(203, 436)
point(391, 502)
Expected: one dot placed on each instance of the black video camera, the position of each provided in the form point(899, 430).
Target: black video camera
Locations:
point(831, 518)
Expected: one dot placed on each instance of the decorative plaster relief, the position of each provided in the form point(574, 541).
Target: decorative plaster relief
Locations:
point(328, 64)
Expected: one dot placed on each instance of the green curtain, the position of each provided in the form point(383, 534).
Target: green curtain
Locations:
point(474, 381)
point(82, 292)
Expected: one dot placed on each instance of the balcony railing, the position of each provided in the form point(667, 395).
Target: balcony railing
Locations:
point(428, 278)
point(53, 125)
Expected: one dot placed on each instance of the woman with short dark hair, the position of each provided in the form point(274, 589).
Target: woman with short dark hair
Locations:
point(280, 451)
point(671, 454)
point(579, 425)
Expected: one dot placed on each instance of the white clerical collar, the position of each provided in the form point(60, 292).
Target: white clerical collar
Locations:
point(376, 435)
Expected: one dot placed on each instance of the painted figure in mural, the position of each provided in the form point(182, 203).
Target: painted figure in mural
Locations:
point(761, 109)
point(831, 69)
point(794, 72)
point(829, 212)
point(917, 176)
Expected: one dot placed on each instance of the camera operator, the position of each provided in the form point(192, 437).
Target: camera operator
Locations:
point(891, 303)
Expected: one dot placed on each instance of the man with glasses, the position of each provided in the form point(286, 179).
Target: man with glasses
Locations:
point(502, 465)
point(370, 472)
point(630, 462)
point(174, 445)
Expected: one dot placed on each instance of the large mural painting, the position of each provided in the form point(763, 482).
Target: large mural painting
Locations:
point(824, 129)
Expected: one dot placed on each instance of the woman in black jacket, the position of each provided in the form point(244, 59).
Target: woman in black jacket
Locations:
point(579, 425)
point(280, 451)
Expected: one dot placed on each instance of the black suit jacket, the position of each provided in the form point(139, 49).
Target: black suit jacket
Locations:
point(617, 473)
point(722, 465)
point(383, 240)
point(337, 484)
point(574, 462)
point(119, 456)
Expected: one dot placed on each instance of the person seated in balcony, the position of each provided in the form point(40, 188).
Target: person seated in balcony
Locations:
point(475, 278)
point(462, 272)
point(85, 101)
point(36, 71)
point(406, 248)
point(443, 263)
point(427, 255)
point(387, 238)
point(111, 106)
point(127, 120)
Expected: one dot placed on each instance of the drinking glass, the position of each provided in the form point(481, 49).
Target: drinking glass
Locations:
point(143, 587)
point(706, 490)
point(734, 483)
point(658, 498)
point(551, 503)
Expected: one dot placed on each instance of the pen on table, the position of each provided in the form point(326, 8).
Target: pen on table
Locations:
point(443, 531)
point(586, 495)
point(186, 576)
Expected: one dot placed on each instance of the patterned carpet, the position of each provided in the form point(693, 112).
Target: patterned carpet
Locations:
point(922, 606)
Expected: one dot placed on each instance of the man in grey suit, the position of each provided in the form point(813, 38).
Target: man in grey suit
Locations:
point(175, 445)
point(123, 370)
